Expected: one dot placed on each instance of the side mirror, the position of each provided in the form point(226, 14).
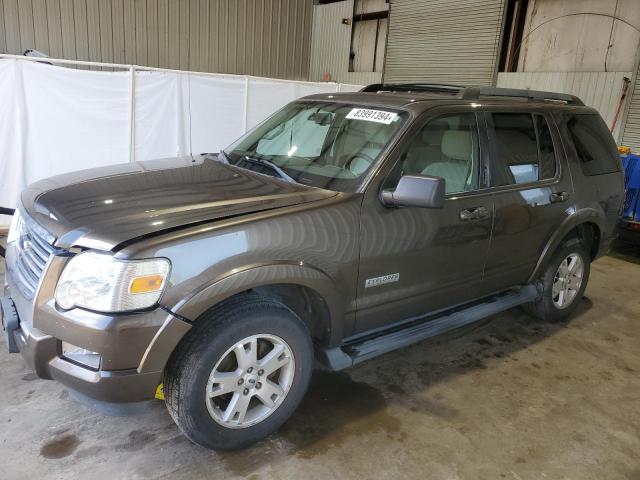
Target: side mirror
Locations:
point(416, 191)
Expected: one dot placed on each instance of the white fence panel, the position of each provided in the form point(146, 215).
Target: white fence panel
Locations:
point(217, 112)
point(161, 115)
point(55, 120)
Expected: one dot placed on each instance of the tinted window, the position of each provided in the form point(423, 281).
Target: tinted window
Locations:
point(323, 144)
point(446, 147)
point(523, 149)
point(594, 144)
point(547, 156)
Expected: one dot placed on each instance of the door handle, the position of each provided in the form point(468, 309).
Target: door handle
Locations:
point(474, 213)
point(557, 197)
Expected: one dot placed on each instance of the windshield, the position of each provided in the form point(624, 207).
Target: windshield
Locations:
point(322, 144)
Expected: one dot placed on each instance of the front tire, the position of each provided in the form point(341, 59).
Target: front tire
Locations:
point(563, 283)
point(239, 373)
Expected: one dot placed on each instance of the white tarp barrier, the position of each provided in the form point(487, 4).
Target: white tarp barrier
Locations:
point(161, 116)
point(55, 119)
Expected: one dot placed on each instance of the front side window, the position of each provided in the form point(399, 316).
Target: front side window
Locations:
point(594, 144)
point(322, 144)
point(524, 151)
point(446, 147)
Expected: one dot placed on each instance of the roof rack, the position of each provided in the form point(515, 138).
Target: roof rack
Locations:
point(413, 87)
point(475, 93)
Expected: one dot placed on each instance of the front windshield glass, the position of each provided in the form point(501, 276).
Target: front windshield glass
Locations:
point(322, 144)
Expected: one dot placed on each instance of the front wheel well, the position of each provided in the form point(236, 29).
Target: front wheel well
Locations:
point(304, 301)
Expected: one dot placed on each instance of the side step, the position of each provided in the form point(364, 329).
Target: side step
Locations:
point(359, 349)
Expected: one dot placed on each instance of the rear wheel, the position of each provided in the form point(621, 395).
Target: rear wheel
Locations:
point(239, 374)
point(563, 283)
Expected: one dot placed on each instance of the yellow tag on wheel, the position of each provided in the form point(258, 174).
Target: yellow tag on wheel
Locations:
point(160, 392)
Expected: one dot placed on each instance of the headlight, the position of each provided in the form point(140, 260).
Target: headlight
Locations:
point(15, 230)
point(99, 282)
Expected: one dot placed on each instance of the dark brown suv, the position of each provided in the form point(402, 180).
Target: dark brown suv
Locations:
point(342, 227)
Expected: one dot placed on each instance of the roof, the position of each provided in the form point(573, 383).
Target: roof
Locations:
point(422, 96)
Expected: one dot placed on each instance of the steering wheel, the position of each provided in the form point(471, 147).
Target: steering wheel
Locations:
point(359, 163)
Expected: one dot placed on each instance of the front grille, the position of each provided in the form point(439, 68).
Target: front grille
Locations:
point(33, 249)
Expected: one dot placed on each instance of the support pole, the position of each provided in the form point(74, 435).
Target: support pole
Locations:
point(132, 115)
point(245, 116)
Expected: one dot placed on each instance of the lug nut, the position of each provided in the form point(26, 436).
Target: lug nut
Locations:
point(260, 372)
point(240, 382)
point(250, 369)
point(258, 385)
point(246, 391)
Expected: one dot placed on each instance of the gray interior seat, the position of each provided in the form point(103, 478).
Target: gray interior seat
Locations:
point(426, 149)
point(455, 162)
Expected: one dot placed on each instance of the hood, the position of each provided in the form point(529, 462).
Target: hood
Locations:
point(105, 207)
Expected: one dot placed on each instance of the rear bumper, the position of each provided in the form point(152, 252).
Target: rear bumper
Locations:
point(629, 231)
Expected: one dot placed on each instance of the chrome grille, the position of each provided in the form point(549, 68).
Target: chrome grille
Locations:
point(33, 249)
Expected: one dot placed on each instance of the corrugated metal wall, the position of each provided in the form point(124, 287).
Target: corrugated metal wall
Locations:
point(257, 37)
point(330, 45)
point(450, 41)
point(600, 90)
point(631, 135)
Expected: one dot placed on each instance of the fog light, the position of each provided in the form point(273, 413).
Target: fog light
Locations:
point(81, 356)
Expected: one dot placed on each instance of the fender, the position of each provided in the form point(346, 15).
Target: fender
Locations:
point(584, 215)
point(239, 280)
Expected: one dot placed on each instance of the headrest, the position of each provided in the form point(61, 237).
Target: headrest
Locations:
point(457, 144)
point(432, 135)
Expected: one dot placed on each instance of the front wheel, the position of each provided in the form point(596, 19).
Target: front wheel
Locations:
point(239, 374)
point(563, 283)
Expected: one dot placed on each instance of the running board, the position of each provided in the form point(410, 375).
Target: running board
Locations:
point(358, 350)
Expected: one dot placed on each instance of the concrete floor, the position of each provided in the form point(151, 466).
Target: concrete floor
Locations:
point(509, 398)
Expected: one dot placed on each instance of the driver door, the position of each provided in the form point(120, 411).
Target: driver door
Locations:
point(420, 260)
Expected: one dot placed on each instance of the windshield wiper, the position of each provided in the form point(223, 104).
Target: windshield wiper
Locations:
point(267, 163)
point(222, 157)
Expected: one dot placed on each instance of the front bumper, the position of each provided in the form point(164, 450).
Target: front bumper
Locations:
point(43, 354)
point(133, 348)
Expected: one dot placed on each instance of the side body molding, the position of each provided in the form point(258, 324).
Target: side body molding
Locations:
point(584, 215)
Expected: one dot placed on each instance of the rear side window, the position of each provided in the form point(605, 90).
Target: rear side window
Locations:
point(594, 144)
point(524, 150)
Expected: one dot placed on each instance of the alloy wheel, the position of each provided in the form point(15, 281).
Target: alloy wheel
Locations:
point(250, 381)
point(567, 280)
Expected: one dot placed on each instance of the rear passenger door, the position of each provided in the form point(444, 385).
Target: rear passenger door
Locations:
point(532, 192)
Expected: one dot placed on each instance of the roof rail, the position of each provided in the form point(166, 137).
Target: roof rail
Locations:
point(413, 87)
point(475, 93)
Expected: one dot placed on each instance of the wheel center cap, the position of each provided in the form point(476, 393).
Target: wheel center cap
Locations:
point(250, 379)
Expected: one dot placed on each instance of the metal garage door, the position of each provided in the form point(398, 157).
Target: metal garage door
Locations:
point(330, 40)
point(450, 41)
point(631, 136)
point(331, 44)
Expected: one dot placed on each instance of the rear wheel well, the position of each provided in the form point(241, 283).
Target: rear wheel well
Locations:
point(589, 234)
point(305, 302)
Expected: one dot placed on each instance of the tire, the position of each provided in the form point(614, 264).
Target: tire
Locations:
point(214, 344)
point(547, 306)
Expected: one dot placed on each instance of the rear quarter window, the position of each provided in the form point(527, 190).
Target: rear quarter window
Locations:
point(595, 148)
